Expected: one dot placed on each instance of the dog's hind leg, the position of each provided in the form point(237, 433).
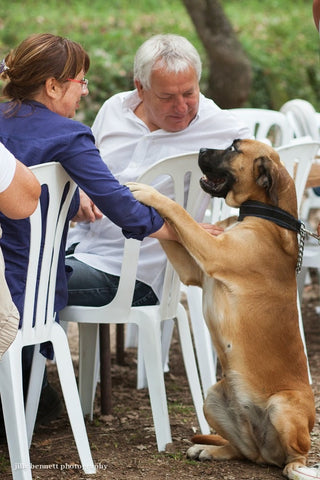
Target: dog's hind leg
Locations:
point(292, 414)
point(221, 414)
point(243, 429)
point(213, 452)
point(212, 447)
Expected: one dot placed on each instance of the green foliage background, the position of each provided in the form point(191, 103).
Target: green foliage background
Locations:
point(278, 36)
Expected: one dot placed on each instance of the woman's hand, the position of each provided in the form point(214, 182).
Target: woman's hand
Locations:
point(88, 211)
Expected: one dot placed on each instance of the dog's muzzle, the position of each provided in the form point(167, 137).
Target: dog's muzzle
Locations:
point(215, 164)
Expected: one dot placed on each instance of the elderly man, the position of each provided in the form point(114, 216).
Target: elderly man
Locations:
point(165, 115)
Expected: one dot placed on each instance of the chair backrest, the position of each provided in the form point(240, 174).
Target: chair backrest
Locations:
point(266, 124)
point(311, 201)
point(298, 158)
point(46, 228)
point(220, 210)
point(302, 118)
point(317, 117)
point(184, 173)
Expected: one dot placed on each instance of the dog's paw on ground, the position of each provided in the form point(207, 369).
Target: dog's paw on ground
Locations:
point(199, 452)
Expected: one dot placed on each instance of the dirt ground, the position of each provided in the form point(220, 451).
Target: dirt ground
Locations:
point(123, 444)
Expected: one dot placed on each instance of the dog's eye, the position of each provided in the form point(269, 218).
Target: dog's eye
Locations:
point(233, 147)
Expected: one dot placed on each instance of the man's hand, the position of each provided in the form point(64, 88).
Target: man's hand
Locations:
point(212, 229)
point(88, 211)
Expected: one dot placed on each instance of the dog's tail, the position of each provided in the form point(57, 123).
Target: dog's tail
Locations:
point(209, 440)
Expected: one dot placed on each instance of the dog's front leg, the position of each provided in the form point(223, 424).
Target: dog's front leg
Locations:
point(185, 226)
point(186, 267)
point(151, 197)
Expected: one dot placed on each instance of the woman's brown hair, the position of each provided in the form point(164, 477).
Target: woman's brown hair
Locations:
point(37, 58)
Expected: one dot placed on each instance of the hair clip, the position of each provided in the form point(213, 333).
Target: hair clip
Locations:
point(3, 66)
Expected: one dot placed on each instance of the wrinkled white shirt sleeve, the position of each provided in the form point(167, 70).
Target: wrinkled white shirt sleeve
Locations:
point(7, 167)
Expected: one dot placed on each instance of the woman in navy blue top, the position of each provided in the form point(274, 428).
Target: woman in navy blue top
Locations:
point(45, 83)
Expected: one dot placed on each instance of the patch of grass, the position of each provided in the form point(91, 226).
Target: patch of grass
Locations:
point(4, 464)
point(178, 456)
point(180, 409)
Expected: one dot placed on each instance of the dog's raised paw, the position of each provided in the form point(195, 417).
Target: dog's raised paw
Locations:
point(199, 452)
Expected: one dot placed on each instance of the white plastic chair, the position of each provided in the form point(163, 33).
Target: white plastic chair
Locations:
point(149, 319)
point(266, 124)
point(39, 326)
point(305, 121)
point(298, 158)
point(310, 202)
point(302, 118)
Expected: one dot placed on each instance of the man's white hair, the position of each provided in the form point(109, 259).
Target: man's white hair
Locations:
point(172, 52)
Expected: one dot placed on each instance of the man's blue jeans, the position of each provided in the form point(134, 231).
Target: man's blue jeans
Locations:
point(90, 287)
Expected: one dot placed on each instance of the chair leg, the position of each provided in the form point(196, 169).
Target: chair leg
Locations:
point(14, 415)
point(302, 335)
point(105, 369)
point(150, 335)
point(89, 365)
point(301, 278)
point(206, 355)
point(191, 367)
point(71, 398)
point(166, 336)
point(131, 336)
point(141, 371)
point(120, 353)
point(34, 390)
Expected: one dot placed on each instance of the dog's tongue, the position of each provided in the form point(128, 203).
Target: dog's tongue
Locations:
point(214, 181)
point(217, 180)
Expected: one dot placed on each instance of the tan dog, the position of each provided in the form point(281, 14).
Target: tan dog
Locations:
point(263, 408)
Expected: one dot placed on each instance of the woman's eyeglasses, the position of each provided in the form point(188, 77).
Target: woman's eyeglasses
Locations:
point(84, 82)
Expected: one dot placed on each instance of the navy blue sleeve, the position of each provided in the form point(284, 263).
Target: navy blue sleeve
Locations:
point(116, 201)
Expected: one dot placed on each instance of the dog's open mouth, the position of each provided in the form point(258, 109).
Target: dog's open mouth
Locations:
point(217, 186)
point(218, 177)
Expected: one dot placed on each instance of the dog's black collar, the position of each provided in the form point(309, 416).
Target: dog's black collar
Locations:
point(269, 212)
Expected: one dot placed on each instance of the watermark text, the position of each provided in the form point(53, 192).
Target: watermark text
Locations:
point(56, 466)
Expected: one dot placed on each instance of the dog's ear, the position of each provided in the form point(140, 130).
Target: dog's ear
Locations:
point(266, 176)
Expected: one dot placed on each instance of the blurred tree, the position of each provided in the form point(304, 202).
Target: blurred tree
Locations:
point(230, 75)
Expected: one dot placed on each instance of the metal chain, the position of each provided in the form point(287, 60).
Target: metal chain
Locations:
point(302, 233)
point(314, 235)
point(302, 236)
